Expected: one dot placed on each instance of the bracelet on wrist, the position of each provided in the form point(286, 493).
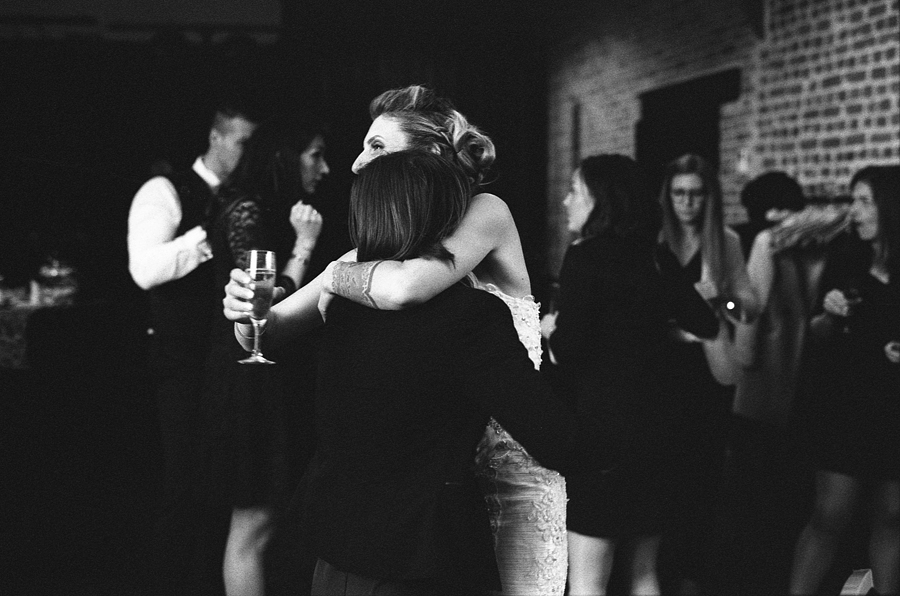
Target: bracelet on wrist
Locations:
point(354, 281)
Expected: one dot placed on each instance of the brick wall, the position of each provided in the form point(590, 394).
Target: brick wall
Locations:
point(827, 96)
point(819, 88)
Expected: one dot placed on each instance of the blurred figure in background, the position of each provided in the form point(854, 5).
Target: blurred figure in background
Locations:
point(696, 247)
point(255, 433)
point(784, 280)
point(853, 394)
point(764, 470)
point(609, 342)
point(168, 256)
point(767, 199)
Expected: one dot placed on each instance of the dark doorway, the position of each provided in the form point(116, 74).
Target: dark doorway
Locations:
point(683, 118)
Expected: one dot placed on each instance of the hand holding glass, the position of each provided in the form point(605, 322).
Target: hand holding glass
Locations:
point(853, 298)
point(261, 270)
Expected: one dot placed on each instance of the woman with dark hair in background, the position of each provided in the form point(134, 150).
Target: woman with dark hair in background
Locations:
point(696, 247)
point(853, 395)
point(609, 343)
point(262, 205)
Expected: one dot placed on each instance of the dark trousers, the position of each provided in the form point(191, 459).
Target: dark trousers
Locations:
point(687, 551)
point(329, 581)
point(760, 519)
point(188, 537)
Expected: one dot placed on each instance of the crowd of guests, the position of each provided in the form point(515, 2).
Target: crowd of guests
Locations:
point(427, 431)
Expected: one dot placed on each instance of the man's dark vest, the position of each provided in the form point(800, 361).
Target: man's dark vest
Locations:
point(185, 307)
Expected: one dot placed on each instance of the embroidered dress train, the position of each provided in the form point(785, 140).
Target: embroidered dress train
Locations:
point(527, 502)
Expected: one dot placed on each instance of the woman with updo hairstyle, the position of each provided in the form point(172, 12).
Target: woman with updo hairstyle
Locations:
point(431, 123)
point(527, 502)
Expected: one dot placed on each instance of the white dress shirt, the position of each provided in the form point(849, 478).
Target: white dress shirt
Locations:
point(155, 254)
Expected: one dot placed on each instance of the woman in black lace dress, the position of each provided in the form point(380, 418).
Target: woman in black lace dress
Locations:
point(262, 205)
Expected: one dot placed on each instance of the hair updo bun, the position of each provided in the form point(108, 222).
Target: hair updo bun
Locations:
point(433, 124)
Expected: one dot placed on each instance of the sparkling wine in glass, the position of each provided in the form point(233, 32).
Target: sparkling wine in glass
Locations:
point(262, 270)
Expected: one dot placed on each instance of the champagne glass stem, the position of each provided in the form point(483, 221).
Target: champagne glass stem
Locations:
point(256, 325)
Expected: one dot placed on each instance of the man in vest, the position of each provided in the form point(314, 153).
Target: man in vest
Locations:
point(169, 257)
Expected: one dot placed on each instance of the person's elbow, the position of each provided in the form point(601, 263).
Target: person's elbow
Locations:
point(405, 296)
point(141, 276)
point(400, 294)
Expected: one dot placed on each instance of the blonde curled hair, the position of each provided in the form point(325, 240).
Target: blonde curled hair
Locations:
point(431, 123)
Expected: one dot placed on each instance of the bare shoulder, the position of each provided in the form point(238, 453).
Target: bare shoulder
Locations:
point(504, 265)
point(486, 203)
point(491, 213)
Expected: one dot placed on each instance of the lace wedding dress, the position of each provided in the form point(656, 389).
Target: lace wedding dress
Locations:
point(527, 502)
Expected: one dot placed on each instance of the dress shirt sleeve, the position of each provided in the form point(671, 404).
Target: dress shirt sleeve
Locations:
point(155, 254)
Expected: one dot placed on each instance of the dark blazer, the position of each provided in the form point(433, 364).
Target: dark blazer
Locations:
point(402, 401)
point(611, 337)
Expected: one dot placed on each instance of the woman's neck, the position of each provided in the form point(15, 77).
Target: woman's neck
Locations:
point(688, 242)
point(689, 228)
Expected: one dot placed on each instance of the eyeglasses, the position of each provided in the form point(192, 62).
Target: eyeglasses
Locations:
point(682, 195)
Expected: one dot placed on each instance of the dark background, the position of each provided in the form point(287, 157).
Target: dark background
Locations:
point(92, 114)
point(85, 117)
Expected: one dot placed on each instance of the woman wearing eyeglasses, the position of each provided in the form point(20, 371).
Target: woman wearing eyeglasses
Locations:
point(697, 247)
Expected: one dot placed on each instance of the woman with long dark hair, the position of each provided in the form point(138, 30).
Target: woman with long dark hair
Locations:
point(609, 342)
point(262, 205)
point(852, 396)
point(698, 248)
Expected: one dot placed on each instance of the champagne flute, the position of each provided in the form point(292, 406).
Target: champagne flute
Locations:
point(853, 298)
point(262, 270)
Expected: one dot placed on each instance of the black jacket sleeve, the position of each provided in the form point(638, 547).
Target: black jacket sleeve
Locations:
point(503, 380)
